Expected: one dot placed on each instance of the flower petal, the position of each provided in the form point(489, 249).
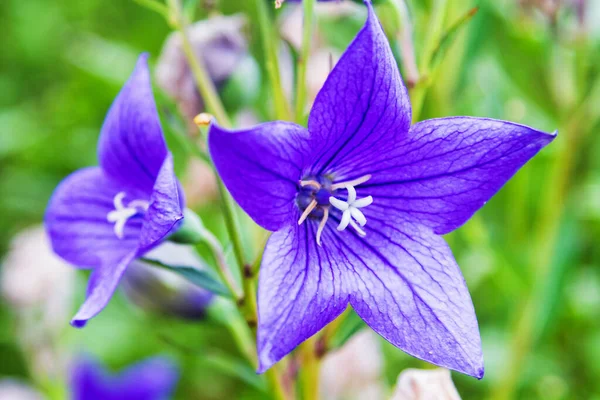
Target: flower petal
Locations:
point(76, 220)
point(87, 380)
point(152, 379)
point(448, 168)
point(363, 108)
point(300, 291)
point(165, 210)
point(409, 289)
point(101, 286)
point(261, 168)
point(132, 148)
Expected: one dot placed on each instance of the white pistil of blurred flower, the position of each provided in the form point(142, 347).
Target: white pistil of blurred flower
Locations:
point(422, 384)
point(38, 285)
point(354, 371)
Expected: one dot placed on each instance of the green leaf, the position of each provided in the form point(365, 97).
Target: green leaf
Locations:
point(236, 368)
point(351, 324)
point(551, 293)
point(201, 278)
point(449, 37)
point(524, 55)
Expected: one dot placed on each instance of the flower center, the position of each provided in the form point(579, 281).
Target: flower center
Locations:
point(121, 214)
point(316, 196)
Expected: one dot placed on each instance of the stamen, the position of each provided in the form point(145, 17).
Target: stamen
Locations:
point(354, 182)
point(311, 182)
point(306, 213)
point(322, 224)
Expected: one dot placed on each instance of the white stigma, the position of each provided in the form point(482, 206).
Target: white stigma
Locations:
point(350, 208)
point(121, 214)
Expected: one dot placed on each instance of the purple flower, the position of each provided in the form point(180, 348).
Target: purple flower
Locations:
point(358, 201)
point(105, 217)
point(152, 379)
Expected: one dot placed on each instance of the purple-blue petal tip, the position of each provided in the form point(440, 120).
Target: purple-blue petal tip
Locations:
point(78, 323)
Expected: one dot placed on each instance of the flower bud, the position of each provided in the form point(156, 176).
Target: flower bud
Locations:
point(417, 384)
point(165, 292)
point(355, 370)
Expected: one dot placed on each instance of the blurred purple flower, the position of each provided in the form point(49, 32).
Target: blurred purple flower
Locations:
point(360, 160)
point(105, 217)
point(151, 379)
point(164, 291)
point(38, 285)
point(222, 47)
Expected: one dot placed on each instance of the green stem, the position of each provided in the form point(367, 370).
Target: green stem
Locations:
point(232, 225)
point(222, 268)
point(309, 13)
point(273, 377)
point(155, 6)
point(225, 313)
point(205, 85)
point(248, 305)
point(309, 374)
point(256, 264)
point(436, 26)
point(269, 43)
point(405, 42)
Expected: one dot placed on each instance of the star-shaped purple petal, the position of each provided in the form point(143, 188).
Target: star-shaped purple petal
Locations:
point(105, 217)
point(357, 202)
point(151, 379)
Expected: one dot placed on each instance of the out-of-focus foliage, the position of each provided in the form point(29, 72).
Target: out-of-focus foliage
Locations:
point(530, 257)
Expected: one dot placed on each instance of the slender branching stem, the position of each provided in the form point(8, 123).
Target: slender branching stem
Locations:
point(309, 374)
point(156, 6)
point(222, 268)
point(205, 85)
point(269, 40)
point(301, 89)
point(435, 31)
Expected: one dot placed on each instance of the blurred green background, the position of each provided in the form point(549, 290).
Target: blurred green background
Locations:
point(529, 257)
